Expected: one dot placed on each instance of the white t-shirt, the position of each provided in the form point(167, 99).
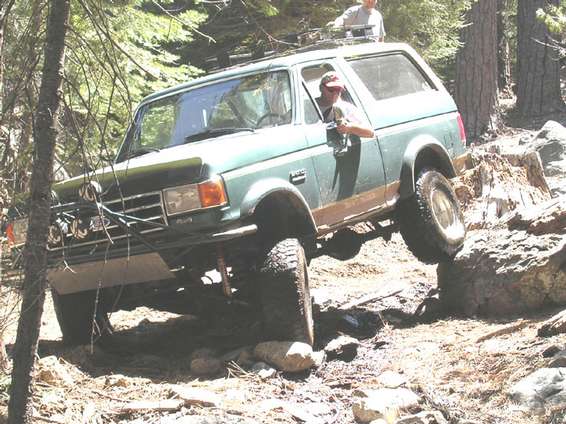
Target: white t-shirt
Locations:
point(359, 15)
point(344, 109)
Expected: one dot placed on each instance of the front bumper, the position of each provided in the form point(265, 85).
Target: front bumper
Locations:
point(148, 237)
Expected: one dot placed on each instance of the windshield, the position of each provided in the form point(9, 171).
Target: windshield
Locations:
point(243, 104)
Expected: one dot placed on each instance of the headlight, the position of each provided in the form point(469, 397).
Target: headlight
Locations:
point(79, 228)
point(54, 235)
point(181, 199)
point(90, 191)
point(208, 194)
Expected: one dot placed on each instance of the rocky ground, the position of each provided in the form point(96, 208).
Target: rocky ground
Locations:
point(461, 367)
point(166, 368)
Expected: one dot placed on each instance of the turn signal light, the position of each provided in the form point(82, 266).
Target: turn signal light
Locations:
point(212, 193)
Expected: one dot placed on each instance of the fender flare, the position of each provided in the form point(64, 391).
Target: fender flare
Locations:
point(423, 145)
point(261, 190)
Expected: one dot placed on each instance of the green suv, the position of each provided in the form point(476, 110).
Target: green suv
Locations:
point(225, 187)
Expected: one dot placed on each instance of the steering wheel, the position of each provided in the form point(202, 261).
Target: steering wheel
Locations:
point(277, 118)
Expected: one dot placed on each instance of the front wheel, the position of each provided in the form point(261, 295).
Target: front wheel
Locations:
point(82, 317)
point(285, 296)
point(431, 221)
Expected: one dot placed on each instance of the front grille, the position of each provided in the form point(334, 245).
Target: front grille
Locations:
point(148, 207)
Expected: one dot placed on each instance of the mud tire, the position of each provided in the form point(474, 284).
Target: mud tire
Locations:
point(431, 221)
point(77, 318)
point(284, 293)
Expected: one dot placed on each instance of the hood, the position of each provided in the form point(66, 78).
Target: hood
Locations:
point(184, 164)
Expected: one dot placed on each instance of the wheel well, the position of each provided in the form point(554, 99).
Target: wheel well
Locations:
point(428, 158)
point(281, 215)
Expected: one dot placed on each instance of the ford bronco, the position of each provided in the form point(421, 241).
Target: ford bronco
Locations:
point(226, 186)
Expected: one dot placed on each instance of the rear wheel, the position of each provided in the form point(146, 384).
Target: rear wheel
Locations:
point(82, 318)
point(285, 296)
point(431, 221)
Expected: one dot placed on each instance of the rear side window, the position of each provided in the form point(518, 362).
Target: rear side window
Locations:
point(390, 76)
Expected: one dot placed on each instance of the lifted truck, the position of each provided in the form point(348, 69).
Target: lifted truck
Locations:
point(237, 172)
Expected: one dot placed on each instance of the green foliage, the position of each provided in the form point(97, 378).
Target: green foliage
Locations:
point(431, 26)
point(554, 17)
point(118, 53)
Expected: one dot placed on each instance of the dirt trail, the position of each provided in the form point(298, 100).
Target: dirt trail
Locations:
point(441, 359)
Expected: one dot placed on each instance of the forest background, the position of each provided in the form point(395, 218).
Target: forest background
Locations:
point(118, 51)
point(71, 72)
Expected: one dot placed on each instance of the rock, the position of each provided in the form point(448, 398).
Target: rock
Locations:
point(550, 351)
point(382, 404)
point(319, 358)
point(553, 326)
point(163, 405)
point(311, 413)
point(391, 379)
point(192, 396)
point(204, 352)
point(542, 389)
point(90, 414)
point(238, 356)
point(497, 185)
point(53, 372)
point(201, 419)
point(343, 347)
point(85, 355)
point(503, 272)
point(286, 356)
point(263, 370)
point(550, 144)
point(206, 366)
point(246, 358)
point(549, 217)
point(558, 360)
point(116, 380)
point(147, 361)
point(425, 417)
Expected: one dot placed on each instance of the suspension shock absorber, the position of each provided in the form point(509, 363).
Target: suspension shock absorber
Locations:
point(222, 269)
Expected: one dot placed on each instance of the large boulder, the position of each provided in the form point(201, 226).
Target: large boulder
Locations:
point(497, 184)
point(550, 144)
point(512, 269)
point(545, 388)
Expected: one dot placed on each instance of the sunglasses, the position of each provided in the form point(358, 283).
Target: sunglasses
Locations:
point(333, 89)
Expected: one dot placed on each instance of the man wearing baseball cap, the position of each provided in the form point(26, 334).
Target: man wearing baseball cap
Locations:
point(348, 117)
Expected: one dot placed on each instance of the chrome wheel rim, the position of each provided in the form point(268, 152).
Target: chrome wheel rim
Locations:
point(446, 214)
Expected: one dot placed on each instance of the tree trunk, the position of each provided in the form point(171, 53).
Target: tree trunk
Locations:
point(538, 78)
point(23, 155)
point(35, 256)
point(476, 70)
point(504, 51)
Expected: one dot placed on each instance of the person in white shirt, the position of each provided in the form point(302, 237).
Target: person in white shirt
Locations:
point(347, 116)
point(363, 14)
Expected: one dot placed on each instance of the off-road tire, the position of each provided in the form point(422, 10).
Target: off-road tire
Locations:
point(284, 293)
point(431, 221)
point(77, 318)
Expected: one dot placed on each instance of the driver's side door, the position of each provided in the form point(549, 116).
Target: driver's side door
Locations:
point(351, 183)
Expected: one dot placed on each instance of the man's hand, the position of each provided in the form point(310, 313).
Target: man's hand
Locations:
point(343, 126)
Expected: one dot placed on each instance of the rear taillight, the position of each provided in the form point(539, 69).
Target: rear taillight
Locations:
point(462, 130)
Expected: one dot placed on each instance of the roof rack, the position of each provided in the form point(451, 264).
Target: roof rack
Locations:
point(313, 39)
